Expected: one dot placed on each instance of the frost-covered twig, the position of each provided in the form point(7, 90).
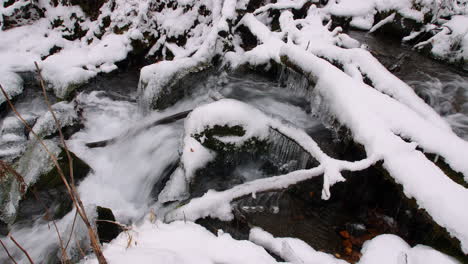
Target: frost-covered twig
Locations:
point(288, 4)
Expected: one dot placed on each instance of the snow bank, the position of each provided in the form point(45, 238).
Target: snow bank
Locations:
point(293, 250)
point(180, 243)
point(74, 66)
point(448, 19)
point(390, 249)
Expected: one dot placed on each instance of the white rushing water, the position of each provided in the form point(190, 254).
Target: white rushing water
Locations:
point(124, 173)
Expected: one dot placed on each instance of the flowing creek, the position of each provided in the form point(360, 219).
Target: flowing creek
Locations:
point(128, 174)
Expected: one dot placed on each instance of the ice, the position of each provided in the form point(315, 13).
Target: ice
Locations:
point(11, 83)
point(46, 125)
point(34, 163)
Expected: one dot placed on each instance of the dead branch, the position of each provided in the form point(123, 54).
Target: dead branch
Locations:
point(19, 178)
point(22, 249)
point(124, 227)
point(70, 188)
point(57, 122)
point(8, 253)
point(162, 121)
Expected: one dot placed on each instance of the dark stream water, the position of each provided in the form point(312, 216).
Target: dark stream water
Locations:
point(442, 86)
point(368, 204)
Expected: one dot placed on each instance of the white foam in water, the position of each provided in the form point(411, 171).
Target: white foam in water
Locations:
point(449, 97)
point(123, 174)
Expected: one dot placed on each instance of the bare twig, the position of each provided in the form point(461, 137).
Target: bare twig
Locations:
point(79, 247)
point(71, 231)
point(73, 193)
point(124, 227)
point(8, 253)
point(57, 122)
point(51, 155)
point(22, 249)
point(70, 188)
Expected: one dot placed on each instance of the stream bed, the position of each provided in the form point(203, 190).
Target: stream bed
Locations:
point(128, 175)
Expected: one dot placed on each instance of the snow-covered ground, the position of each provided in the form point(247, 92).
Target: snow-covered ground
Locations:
point(382, 113)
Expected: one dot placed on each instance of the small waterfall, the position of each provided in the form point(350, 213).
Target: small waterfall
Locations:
point(300, 86)
point(287, 154)
point(294, 82)
point(122, 179)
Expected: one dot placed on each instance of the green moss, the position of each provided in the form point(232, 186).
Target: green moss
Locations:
point(211, 141)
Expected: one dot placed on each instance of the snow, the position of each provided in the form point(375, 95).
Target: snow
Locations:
point(75, 66)
point(155, 77)
point(390, 249)
point(454, 33)
point(423, 180)
point(293, 250)
point(45, 124)
point(380, 116)
point(180, 243)
point(11, 83)
point(228, 112)
point(256, 125)
point(194, 157)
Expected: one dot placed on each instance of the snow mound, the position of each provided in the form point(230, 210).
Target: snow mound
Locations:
point(180, 243)
point(390, 249)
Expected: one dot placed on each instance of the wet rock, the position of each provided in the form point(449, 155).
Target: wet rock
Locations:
point(33, 163)
point(43, 185)
point(3, 228)
point(13, 137)
point(67, 115)
point(400, 27)
point(89, 7)
point(107, 228)
point(165, 83)
point(340, 21)
point(13, 85)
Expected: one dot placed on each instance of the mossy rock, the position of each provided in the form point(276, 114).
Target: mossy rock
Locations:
point(210, 139)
